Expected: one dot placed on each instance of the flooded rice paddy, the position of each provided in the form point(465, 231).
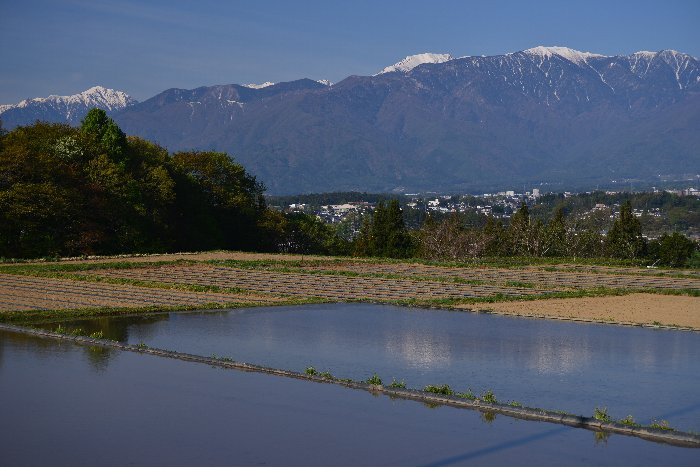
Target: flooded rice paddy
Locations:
point(650, 374)
point(65, 404)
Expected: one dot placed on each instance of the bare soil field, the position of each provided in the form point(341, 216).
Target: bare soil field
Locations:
point(640, 308)
point(334, 287)
point(38, 293)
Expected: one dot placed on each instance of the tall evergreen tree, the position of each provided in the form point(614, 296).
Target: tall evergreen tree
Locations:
point(625, 239)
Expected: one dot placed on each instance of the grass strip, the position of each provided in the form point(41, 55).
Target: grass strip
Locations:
point(30, 317)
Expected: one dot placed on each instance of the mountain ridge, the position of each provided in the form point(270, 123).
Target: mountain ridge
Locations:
point(541, 115)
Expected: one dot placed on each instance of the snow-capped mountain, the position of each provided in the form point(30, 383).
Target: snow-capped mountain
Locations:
point(564, 52)
point(64, 109)
point(433, 122)
point(412, 61)
point(259, 86)
point(545, 114)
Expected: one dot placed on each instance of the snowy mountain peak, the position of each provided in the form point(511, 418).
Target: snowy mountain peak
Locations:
point(324, 82)
point(69, 109)
point(566, 53)
point(259, 86)
point(412, 61)
point(96, 96)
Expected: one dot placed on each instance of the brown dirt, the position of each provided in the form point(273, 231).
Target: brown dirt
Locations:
point(667, 310)
point(37, 293)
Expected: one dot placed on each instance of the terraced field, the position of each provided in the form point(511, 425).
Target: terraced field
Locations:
point(333, 287)
point(236, 279)
point(541, 277)
point(39, 293)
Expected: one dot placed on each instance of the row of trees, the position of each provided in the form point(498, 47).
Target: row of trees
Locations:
point(385, 235)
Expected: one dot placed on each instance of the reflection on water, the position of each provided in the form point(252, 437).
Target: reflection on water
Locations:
point(541, 363)
point(418, 350)
point(111, 328)
point(145, 410)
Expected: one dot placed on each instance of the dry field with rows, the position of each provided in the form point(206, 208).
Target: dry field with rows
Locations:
point(222, 278)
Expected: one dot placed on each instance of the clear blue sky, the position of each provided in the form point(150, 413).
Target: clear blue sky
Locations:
point(143, 47)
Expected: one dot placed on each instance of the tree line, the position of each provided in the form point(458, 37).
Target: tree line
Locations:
point(89, 190)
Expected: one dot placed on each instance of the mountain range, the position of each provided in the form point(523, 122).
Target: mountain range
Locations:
point(545, 115)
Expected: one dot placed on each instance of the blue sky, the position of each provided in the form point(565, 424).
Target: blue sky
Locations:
point(143, 47)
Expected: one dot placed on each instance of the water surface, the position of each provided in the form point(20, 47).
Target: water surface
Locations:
point(651, 374)
point(66, 405)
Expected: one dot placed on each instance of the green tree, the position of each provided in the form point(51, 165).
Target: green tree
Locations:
point(105, 132)
point(221, 200)
point(555, 235)
point(625, 239)
point(389, 237)
point(672, 250)
point(496, 239)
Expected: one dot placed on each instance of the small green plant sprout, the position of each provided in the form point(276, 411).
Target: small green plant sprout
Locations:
point(467, 395)
point(311, 371)
point(601, 414)
point(397, 384)
point(661, 425)
point(629, 421)
point(60, 329)
point(141, 345)
point(444, 389)
point(375, 380)
point(97, 335)
point(489, 397)
point(77, 332)
point(325, 375)
point(515, 404)
point(226, 359)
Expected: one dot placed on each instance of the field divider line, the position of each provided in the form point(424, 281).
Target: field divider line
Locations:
point(676, 438)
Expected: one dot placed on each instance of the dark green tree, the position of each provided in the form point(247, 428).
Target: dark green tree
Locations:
point(555, 235)
point(105, 132)
point(390, 238)
point(672, 250)
point(624, 239)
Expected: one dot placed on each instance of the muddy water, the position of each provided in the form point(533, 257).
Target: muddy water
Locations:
point(650, 374)
point(64, 404)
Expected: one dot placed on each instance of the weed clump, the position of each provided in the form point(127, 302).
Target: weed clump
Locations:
point(311, 371)
point(515, 404)
point(601, 414)
point(397, 384)
point(467, 395)
point(325, 375)
point(374, 380)
point(628, 421)
point(444, 389)
point(489, 397)
point(97, 335)
point(661, 425)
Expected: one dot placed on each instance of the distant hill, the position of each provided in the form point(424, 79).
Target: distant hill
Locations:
point(433, 122)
